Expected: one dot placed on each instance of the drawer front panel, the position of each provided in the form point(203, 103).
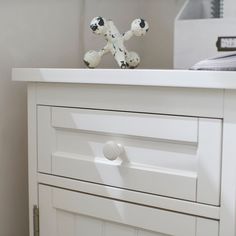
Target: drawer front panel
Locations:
point(132, 124)
point(166, 155)
point(71, 213)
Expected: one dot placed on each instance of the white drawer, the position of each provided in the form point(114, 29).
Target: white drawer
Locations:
point(70, 213)
point(178, 157)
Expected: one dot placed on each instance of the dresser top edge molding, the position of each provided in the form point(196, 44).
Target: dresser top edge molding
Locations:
point(155, 78)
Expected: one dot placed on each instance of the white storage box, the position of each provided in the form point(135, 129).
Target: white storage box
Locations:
point(196, 34)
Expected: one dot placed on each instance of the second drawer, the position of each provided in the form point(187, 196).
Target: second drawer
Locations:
point(71, 213)
point(172, 156)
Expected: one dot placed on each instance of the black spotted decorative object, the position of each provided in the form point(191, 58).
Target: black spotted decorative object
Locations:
point(115, 42)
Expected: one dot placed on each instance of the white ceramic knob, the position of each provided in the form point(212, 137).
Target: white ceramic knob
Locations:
point(112, 150)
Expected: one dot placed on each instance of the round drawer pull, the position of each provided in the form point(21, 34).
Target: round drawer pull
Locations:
point(112, 150)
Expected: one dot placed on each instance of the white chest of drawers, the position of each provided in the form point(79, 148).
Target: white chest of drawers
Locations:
point(149, 153)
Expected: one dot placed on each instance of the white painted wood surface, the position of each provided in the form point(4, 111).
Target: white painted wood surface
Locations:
point(149, 180)
point(182, 129)
point(213, 108)
point(207, 228)
point(46, 139)
point(32, 152)
point(162, 100)
point(209, 165)
point(166, 78)
point(165, 155)
point(228, 193)
point(191, 208)
point(72, 213)
point(54, 203)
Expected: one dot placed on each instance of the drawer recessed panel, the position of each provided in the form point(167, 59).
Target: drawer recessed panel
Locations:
point(71, 213)
point(157, 154)
point(124, 123)
point(113, 216)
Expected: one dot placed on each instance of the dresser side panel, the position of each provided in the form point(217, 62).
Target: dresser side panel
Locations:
point(228, 193)
point(32, 152)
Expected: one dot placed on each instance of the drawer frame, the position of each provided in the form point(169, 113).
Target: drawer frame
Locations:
point(213, 103)
point(183, 184)
point(53, 200)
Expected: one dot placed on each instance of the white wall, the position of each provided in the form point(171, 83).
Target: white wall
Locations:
point(34, 33)
point(49, 33)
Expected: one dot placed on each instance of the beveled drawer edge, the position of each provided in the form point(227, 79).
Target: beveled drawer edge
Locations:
point(186, 207)
point(176, 128)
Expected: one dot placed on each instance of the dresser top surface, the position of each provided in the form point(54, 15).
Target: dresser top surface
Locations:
point(161, 78)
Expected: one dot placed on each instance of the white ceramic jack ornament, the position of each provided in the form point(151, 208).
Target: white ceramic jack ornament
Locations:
point(115, 42)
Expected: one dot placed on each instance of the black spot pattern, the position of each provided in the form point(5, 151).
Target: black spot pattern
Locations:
point(142, 23)
point(86, 63)
point(100, 21)
point(123, 65)
point(108, 35)
point(94, 27)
